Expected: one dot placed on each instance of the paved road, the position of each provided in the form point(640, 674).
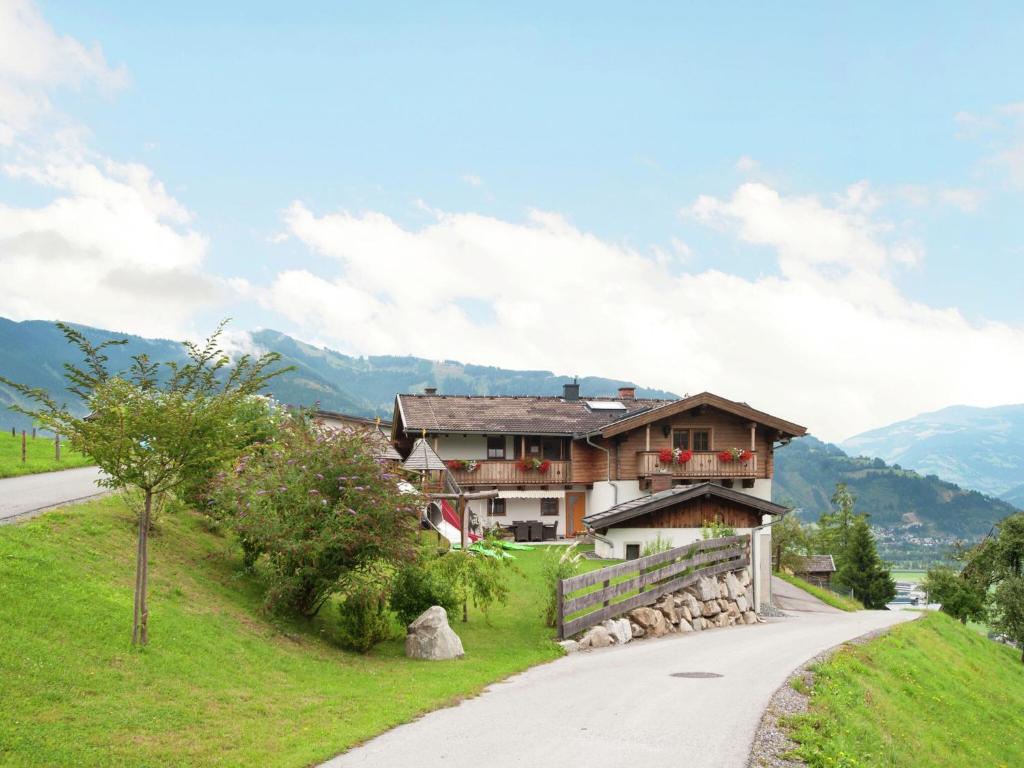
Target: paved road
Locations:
point(21, 496)
point(621, 706)
point(789, 598)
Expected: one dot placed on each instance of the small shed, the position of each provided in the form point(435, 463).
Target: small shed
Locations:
point(677, 515)
point(817, 569)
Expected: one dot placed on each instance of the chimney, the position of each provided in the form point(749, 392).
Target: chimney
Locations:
point(571, 392)
point(430, 390)
point(627, 393)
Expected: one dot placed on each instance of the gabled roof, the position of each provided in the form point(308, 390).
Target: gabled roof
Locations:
point(818, 564)
point(787, 428)
point(647, 504)
point(510, 414)
point(422, 458)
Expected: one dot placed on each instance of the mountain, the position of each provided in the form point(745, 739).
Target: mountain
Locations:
point(34, 352)
point(923, 507)
point(979, 448)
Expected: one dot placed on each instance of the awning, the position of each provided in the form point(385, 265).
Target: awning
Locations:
point(531, 494)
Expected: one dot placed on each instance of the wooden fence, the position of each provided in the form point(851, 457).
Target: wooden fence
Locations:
point(649, 577)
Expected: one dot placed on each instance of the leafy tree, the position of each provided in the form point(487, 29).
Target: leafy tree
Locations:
point(790, 542)
point(862, 570)
point(476, 576)
point(313, 509)
point(153, 428)
point(835, 528)
point(998, 564)
point(1008, 610)
point(961, 597)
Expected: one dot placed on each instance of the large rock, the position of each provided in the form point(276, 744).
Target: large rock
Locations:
point(636, 630)
point(668, 607)
point(619, 630)
point(430, 637)
point(570, 646)
point(705, 589)
point(596, 637)
point(745, 577)
point(651, 621)
point(733, 585)
point(722, 620)
point(723, 591)
point(684, 626)
point(750, 617)
point(742, 604)
point(693, 605)
point(711, 608)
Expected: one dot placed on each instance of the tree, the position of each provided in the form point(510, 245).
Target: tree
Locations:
point(862, 570)
point(835, 528)
point(997, 563)
point(790, 543)
point(152, 428)
point(1008, 610)
point(961, 597)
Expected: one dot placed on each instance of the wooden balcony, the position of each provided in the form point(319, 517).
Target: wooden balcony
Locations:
point(504, 472)
point(704, 464)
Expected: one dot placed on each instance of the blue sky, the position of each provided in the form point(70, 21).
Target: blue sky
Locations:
point(432, 128)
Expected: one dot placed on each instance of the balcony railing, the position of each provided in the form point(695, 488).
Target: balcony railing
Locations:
point(505, 472)
point(703, 464)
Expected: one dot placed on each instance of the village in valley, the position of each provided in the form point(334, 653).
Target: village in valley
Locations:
point(511, 385)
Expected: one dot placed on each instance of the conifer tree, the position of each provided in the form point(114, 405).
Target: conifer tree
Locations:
point(862, 571)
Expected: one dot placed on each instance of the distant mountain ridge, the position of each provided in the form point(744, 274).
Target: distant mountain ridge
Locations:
point(34, 352)
point(807, 470)
point(979, 448)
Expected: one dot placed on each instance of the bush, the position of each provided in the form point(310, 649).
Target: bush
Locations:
point(312, 508)
point(658, 545)
point(418, 586)
point(476, 576)
point(716, 529)
point(363, 618)
point(558, 566)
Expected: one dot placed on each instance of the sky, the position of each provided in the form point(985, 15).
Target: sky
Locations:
point(813, 208)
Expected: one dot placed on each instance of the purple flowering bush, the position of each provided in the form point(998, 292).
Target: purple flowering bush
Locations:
point(314, 509)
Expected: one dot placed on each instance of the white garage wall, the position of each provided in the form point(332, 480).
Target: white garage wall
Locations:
point(618, 538)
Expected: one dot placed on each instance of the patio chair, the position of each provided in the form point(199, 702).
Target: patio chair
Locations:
point(550, 531)
point(522, 530)
point(536, 530)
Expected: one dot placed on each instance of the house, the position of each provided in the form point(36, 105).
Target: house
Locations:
point(817, 569)
point(569, 459)
point(373, 429)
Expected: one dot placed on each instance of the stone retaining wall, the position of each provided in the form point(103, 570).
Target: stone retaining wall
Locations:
point(718, 601)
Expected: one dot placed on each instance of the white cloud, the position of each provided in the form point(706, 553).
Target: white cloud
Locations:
point(472, 179)
point(829, 341)
point(747, 164)
point(1002, 132)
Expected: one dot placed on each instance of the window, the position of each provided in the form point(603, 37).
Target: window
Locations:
point(497, 507)
point(700, 439)
point(632, 551)
point(549, 507)
point(551, 448)
point(496, 447)
point(681, 439)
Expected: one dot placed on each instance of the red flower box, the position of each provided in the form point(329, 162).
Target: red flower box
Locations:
point(684, 457)
point(665, 456)
point(725, 456)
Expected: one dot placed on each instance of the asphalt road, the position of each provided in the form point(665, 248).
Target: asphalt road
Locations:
point(621, 705)
point(20, 497)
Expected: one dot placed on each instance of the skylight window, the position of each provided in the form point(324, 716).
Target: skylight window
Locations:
point(605, 405)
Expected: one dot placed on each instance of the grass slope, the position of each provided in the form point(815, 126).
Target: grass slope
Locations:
point(39, 454)
point(219, 684)
point(825, 595)
point(929, 693)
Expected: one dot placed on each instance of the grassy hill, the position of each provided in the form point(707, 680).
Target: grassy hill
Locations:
point(929, 693)
point(807, 470)
point(34, 352)
point(40, 456)
point(220, 683)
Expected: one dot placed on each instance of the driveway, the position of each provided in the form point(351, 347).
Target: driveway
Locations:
point(20, 497)
point(621, 705)
point(789, 598)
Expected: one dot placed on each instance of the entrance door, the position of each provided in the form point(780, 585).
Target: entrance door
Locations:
point(575, 509)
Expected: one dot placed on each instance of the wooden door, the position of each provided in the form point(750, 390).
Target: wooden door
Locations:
point(575, 509)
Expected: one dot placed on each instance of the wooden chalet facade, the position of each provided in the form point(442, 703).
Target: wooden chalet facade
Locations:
point(560, 459)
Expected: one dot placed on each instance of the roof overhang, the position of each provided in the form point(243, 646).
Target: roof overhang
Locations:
point(785, 428)
point(679, 495)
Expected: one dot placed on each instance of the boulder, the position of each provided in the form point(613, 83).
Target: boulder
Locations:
point(722, 620)
point(733, 586)
point(684, 614)
point(636, 630)
point(697, 624)
point(711, 608)
point(744, 576)
point(733, 611)
point(750, 617)
point(596, 637)
point(645, 617)
point(705, 589)
point(570, 646)
point(668, 608)
point(741, 603)
point(705, 624)
point(430, 637)
point(723, 591)
point(723, 605)
point(619, 630)
point(684, 626)
point(693, 605)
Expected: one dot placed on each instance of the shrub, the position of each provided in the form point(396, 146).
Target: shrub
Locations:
point(312, 508)
point(476, 576)
point(658, 545)
point(418, 586)
point(558, 566)
point(716, 529)
point(363, 618)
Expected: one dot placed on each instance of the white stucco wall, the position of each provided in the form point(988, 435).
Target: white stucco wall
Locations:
point(618, 538)
point(459, 447)
point(603, 495)
point(762, 488)
point(523, 509)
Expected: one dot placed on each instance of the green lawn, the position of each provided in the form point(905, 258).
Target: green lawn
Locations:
point(219, 684)
point(915, 577)
point(39, 454)
point(929, 693)
point(825, 595)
